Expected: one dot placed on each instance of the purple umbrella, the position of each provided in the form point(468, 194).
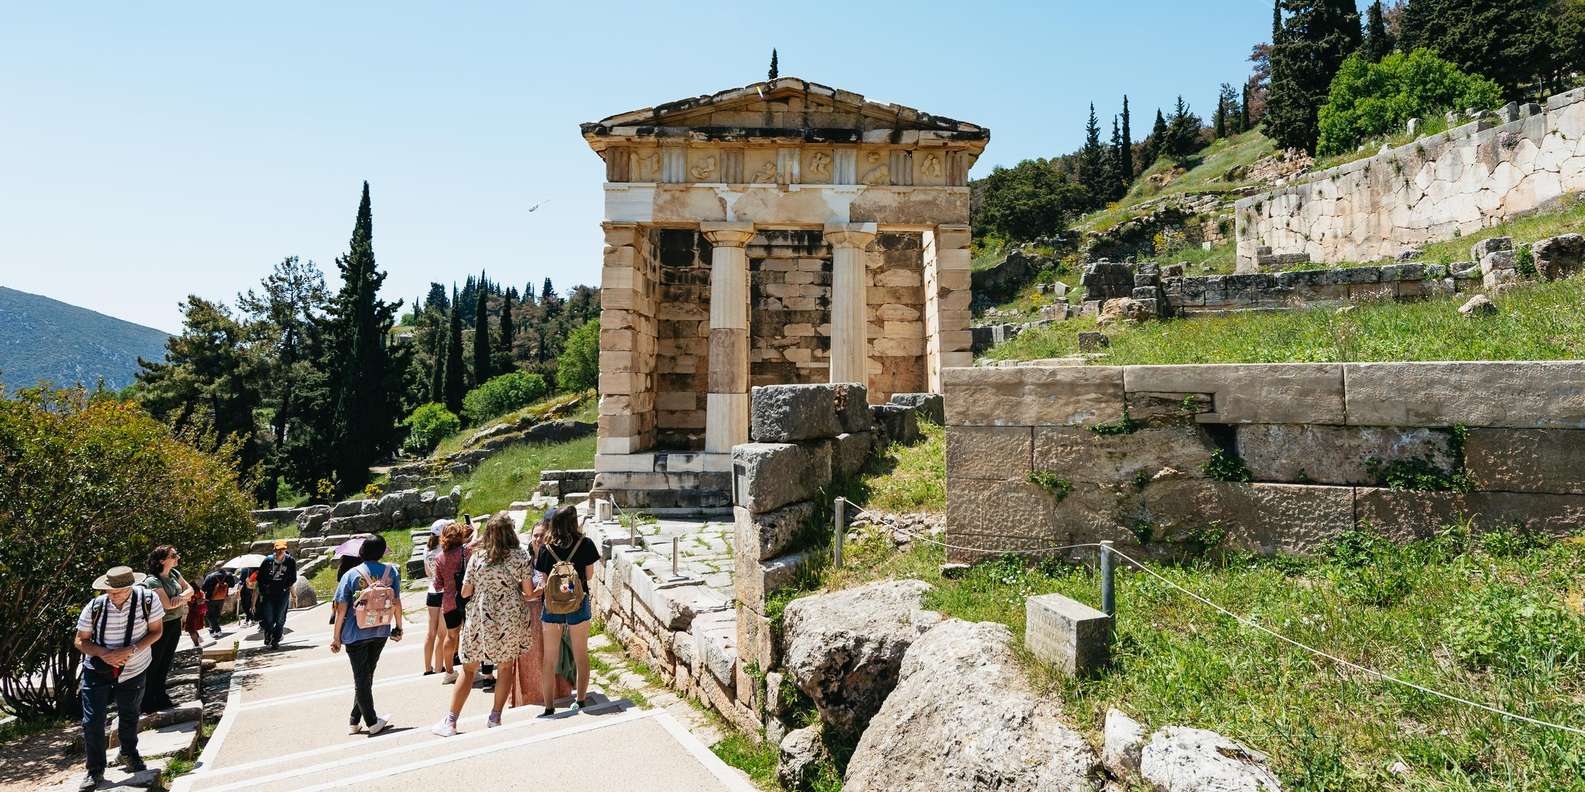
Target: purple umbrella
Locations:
point(349, 547)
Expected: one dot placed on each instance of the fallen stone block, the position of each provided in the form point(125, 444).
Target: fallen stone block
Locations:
point(929, 406)
point(769, 476)
point(898, 424)
point(1178, 759)
point(785, 413)
point(1072, 636)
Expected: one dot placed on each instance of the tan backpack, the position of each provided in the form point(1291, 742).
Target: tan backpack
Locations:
point(376, 605)
point(563, 586)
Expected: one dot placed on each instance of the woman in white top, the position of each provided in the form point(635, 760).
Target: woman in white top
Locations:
point(433, 645)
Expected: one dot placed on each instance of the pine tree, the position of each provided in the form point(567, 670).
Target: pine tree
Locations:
point(365, 383)
point(1508, 41)
point(1311, 43)
point(1378, 41)
point(1182, 133)
point(774, 72)
point(1127, 153)
point(455, 386)
point(482, 360)
point(282, 324)
point(1092, 162)
point(503, 352)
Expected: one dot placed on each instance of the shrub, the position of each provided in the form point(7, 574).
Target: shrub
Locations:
point(87, 484)
point(1226, 465)
point(1045, 479)
point(1370, 99)
point(501, 395)
point(427, 425)
point(579, 366)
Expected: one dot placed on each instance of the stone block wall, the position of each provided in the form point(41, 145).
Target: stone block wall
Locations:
point(895, 315)
point(629, 287)
point(790, 314)
point(1469, 177)
point(1213, 294)
point(1269, 458)
point(682, 343)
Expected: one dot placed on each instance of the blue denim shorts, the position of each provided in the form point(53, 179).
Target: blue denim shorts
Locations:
point(578, 616)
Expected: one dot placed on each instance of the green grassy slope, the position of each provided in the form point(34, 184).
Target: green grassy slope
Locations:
point(45, 339)
point(1210, 170)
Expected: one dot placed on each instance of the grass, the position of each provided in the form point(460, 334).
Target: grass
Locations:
point(756, 759)
point(513, 473)
point(1207, 171)
point(1221, 259)
point(1444, 613)
point(905, 479)
point(1370, 148)
point(588, 410)
point(1541, 321)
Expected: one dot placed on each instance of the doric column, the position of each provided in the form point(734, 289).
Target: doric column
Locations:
point(947, 334)
point(726, 405)
point(849, 336)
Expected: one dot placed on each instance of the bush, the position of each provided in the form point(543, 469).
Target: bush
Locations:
point(87, 484)
point(501, 395)
point(579, 366)
point(427, 425)
point(1371, 99)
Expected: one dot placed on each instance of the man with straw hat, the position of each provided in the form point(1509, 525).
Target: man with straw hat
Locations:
point(114, 633)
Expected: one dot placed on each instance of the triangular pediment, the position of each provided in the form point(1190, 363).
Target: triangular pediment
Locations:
point(785, 104)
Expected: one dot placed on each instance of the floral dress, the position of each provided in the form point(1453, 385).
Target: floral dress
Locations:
point(498, 627)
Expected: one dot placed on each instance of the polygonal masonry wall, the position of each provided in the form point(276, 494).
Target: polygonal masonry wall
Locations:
point(1459, 181)
point(1041, 457)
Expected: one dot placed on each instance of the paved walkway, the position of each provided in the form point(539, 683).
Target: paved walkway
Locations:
point(285, 728)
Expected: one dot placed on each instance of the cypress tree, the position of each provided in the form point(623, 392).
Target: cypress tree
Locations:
point(1127, 153)
point(455, 387)
point(774, 72)
point(1220, 119)
point(503, 352)
point(1378, 42)
point(1243, 110)
point(1311, 43)
point(481, 338)
point(1117, 183)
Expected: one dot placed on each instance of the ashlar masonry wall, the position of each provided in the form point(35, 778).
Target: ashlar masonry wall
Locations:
point(1457, 181)
point(1125, 453)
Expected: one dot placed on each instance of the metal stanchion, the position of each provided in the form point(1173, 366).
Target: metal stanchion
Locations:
point(1108, 590)
point(841, 528)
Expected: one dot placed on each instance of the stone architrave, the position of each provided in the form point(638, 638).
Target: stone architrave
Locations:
point(726, 405)
point(849, 341)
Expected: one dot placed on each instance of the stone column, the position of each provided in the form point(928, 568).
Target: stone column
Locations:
point(849, 335)
point(726, 404)
point(947, 336)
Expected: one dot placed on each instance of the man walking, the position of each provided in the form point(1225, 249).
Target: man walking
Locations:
point(217, 588)
point(114, 633)
point(277, 574)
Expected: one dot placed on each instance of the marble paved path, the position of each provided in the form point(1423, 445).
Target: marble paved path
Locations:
point(285, 728)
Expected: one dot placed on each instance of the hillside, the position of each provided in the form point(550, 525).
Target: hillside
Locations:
point(45, 339)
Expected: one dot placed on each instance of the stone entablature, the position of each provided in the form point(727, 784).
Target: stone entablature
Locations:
point(785, 232)
point(1455, 182)
point(1313, 443)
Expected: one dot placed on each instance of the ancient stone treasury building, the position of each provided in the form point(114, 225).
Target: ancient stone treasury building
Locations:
point(780, 233)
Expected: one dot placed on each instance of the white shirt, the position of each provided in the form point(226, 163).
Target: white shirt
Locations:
point(429, 568)
point(115, 632)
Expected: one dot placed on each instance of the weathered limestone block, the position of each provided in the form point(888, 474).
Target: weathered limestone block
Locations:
point(347, 508)
point(1314, 454)
point(1071, 636)
point(1179, 759)
point(960, 685)
point(769, 534)
point(756, 639)
point(312, 521)
point(930, 406)
point(798, 757)
point(783, 413)
point(1081, 455)
point(753, 581)
point(849, 452)
point(1560, 256)
point(1485, 247)
point(1093, 342)
point(898, 424)
point(1033, 395)
point(1251, 392)
point(1527, 460)
point(1521, 395)
point(844, 649)
point(772, 475)
point(998, 453)
point(1122, 738)
point(1406, 515)
point(1261, 518)
point(852, 407)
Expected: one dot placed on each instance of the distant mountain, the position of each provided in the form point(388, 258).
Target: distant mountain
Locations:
point(45, 339)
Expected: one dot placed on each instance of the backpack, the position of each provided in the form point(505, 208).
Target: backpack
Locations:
point(563, 586)
point(99, 616)
point(221, 591)
point(376, 604)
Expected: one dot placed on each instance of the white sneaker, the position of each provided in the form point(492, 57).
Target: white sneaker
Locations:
point(356, 728)
point(445, 728)
point(450, 679)
point(493, 721)
point(380, 725)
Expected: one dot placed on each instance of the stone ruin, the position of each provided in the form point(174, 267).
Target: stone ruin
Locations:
point(781, 233)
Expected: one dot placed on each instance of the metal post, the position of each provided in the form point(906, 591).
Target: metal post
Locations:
point(1108, 592)
point(674, 542)
point(841, 529)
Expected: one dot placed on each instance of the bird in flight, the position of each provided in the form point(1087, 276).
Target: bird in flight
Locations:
point(541, 203)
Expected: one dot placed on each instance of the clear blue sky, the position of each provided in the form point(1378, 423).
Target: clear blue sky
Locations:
point(152, 150)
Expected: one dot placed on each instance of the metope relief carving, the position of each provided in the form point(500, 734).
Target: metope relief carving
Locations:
point(876, 170)
point(931, 167)
point(820, 166)
point(704, 170)
point(766, 174)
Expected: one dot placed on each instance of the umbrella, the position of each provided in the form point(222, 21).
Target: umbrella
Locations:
point(245, 561)
point(349, 547)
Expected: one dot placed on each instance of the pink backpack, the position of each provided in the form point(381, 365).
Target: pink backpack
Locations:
point(376, 605)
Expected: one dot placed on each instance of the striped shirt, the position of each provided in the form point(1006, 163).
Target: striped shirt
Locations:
point(115, 630)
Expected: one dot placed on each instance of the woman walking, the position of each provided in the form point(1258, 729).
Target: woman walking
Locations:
point(566, 559)
point(500, 575)
point(174, 592)
point(449, 568)
point(434, 636)
point(368, 611)
point(526, 690)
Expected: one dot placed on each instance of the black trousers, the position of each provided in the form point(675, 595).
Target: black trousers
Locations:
point(365, 655)
point(212, 615)
point(100, 692)
point(155, 696)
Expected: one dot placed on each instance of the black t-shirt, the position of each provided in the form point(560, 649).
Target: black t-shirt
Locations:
point(277, 577)
point(214, 579)
point(582, 557)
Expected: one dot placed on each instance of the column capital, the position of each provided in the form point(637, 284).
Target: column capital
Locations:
point(850, 235)
point(727, 234)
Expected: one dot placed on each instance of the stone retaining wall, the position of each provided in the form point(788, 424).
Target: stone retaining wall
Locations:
point(1186, 296)
point(1047, 456)
point(1459, 181)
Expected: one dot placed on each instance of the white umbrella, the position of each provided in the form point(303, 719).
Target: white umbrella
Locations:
point(245, 561)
